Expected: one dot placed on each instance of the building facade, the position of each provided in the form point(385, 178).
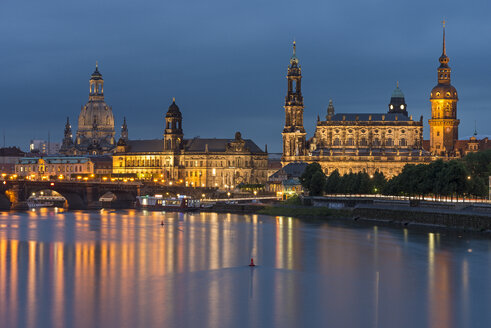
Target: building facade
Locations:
point(95, 133)
point(63, 167)
point(197, 162)
point(352, 142)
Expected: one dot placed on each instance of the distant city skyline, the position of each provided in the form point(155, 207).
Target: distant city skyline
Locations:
point(225, 63)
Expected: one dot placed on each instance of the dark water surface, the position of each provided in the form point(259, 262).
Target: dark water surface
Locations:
point(123, 269)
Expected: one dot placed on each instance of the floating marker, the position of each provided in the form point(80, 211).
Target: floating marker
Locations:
point(162, 223)
point(252, 263)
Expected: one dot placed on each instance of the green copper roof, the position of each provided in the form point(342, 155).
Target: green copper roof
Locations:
point(397, 93)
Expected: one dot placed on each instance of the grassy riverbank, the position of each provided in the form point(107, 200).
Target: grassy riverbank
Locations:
point(305, 211)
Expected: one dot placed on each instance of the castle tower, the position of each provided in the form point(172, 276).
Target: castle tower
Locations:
point(173, 128)
point(444, 125)
point(294, 132)
point(397, 102)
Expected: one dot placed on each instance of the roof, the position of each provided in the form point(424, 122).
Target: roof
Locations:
point(397, 93)
point(371, 117)
point(11, 151)
point(145, 146)
point(173, 110)
point(96, 75)
point(217, 145)
point(365, 151)
point(291, 170)
point(197, 145)
point(54, 160)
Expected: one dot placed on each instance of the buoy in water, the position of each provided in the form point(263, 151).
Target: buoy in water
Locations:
point(252, 263)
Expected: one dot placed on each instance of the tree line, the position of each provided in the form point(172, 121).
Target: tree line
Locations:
point(468, 176)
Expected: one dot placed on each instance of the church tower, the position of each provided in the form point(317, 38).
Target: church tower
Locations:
point(444, 125)
point(124, 130)
point(294, 132)
point(173, 128)
point(67, 144)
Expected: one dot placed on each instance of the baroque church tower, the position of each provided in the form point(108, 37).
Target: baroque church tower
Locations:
point(444, 125)
point(95, 133)
point(173, 134)
point(294, 133)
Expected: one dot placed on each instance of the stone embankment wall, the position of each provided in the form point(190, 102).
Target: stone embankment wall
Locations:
point(469, 216)
point(444, 218)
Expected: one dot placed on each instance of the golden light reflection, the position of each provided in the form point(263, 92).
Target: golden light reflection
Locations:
point(121, 264)
point(439, 285)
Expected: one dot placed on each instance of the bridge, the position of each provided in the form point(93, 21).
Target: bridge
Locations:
point(86, 194)
point(79, 195)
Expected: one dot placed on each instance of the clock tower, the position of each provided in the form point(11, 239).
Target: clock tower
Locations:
point(444, 125)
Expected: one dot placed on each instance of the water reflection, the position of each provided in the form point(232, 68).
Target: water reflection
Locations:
point(124, 269)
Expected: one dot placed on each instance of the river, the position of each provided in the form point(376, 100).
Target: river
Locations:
point(125, 269)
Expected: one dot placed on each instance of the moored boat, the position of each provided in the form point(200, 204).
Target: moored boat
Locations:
point(157, 202)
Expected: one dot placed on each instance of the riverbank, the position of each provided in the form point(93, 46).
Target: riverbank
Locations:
point(466, 219)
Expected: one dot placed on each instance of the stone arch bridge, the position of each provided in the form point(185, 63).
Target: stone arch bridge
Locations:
point(79, 195)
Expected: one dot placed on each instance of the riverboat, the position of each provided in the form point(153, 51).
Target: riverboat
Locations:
point(157, 202)
point(45, 201)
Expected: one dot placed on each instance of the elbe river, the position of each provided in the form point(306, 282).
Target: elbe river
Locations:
point(124, 269)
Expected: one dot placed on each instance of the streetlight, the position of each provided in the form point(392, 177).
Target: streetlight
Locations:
point(228, 194)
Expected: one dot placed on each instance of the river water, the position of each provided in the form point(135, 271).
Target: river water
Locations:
point(125, 269)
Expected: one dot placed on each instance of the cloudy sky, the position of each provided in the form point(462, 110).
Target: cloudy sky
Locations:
point(225, 62)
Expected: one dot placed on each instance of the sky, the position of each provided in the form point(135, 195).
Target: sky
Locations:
point(225, 62)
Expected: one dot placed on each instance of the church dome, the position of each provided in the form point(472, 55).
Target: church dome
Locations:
point(173, 110)
point(444, 91)
point(96, 119)
point(96, 115)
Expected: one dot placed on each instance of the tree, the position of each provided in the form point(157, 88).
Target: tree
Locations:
point(333, 183)
point(317, 183)
point(378, 182)
point(306, 177)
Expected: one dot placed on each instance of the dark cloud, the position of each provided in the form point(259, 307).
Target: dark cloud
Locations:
point(225, 61)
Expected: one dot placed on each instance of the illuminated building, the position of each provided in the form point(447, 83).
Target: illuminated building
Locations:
point(71, 167)
point(95, 134)
point(352, 142)
point(197, 162)
point(444, 125)
point(44, 147)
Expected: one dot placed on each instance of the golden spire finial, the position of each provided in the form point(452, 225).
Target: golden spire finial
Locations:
point(173, 99)
point(397, 84)
point(294, 48)
point(96, 64)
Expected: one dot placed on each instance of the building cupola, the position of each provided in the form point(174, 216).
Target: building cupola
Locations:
point(96, 85)
point(173, 127)
point(397, 101)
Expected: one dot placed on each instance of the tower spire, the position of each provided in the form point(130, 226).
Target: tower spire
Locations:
point(444, 52)
point(294, 48)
